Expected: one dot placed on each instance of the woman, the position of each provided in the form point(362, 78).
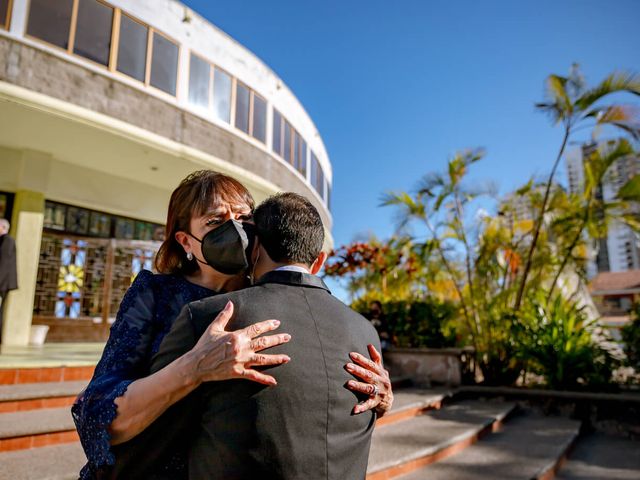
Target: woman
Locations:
point(122, 399)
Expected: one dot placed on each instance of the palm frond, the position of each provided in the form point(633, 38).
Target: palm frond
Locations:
point(616, 82)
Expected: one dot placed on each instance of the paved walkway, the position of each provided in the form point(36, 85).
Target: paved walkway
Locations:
point(51, 355)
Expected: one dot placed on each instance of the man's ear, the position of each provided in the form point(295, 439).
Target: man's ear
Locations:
point(318, 263)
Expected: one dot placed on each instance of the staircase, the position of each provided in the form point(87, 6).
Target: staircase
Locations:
point(38, 439)
point(429, 435)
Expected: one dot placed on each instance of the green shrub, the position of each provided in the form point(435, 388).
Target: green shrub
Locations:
point(631, 338)
point(556, 342)
point(416, 324)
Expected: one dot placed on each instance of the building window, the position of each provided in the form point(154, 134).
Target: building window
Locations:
point(276, 145)
point(222, 95)
point(51, 21)
point(286, 145)
point(317, 176)
point(93, 31)
point(251, 113)
point(242, 107)
point(289, 144)
point(300, 154)
point(199, 82)
point(259, 118)
point(81, 221)
point(5, 13)
point(164, 64)
point(100, 224)
point(200, 91)
point(132, 48)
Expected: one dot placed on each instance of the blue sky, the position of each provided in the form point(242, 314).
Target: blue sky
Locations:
point(396, 87)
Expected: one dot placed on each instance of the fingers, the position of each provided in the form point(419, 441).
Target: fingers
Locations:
point(269, 341)
point(365, 362)
point(257, 329)
point(375, 356)
point(221, 321)
point(362, 373)
point(364, 406)
point(267, 360)
point(255, 376)
point(365, 388)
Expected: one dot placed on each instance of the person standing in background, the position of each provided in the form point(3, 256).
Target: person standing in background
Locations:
point(8, 272)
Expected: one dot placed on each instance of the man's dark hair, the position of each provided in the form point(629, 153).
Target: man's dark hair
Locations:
point(289, 228)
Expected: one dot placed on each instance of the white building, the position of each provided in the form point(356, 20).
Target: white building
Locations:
point(619, 251)
point(105, 105)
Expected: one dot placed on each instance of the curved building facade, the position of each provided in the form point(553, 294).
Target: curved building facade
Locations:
point(104, 106)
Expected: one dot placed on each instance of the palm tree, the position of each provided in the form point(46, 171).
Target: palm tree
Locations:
point(587, 211)
point(573, 105)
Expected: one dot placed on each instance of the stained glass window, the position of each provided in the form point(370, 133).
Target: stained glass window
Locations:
point(54, 215)
point(71, 278)
point(142, 260)
point(124, 228)
point(77, 220)
point(100, 224)
point(144, 231)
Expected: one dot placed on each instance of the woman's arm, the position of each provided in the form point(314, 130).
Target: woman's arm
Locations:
point(217, 355)
point(378, 383)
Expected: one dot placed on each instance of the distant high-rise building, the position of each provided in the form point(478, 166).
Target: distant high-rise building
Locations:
point(619, 251)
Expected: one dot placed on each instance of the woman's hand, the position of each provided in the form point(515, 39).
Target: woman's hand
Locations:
point(377, 383)
point(223, 355)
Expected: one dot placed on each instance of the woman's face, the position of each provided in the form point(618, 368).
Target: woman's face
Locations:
point(217, 214)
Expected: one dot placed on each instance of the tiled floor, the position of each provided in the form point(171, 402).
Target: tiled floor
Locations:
point(51, 355)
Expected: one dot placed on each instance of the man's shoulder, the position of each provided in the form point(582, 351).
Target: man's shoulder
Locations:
point(346, 313)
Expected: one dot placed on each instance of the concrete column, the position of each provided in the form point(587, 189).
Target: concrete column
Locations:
point(26, 227)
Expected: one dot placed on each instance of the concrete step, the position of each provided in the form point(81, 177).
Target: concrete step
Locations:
point(603, 456)
point(36, 428)
point(410, 402)
point(31, 396)
point(10, 376)
point(529, 447)
point(59, 462)
point(402, 447)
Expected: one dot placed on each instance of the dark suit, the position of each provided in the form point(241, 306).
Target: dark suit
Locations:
point(8, 274)
point(303, 427)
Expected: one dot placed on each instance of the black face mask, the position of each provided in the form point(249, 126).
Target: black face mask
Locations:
point(228, 247)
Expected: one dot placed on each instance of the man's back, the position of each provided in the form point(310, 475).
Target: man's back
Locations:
point(303, 427)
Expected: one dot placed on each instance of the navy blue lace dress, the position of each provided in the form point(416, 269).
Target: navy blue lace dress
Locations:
point(146, 314)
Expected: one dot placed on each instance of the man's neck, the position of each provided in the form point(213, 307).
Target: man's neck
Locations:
point(269, 266)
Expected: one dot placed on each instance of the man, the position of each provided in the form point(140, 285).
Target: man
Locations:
point(8, 274)
point(303, 428)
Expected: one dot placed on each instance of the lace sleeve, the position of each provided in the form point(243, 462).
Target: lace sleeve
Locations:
point(125, 358)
